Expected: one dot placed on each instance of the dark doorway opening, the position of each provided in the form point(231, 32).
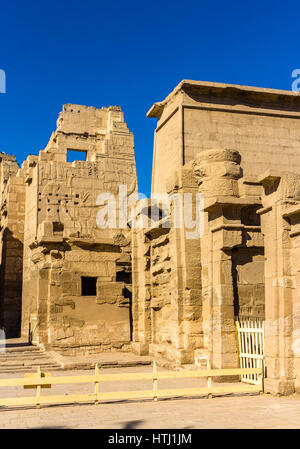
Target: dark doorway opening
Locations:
point(11, 274)
point(88, 286)
point(125, 276)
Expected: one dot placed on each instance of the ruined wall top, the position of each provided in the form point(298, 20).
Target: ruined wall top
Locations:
point(88, 119)
point(62, 192)
point(8, 169)
point(97, 132)
point(7, 157)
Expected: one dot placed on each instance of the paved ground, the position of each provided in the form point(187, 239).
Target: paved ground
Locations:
point(247, 411)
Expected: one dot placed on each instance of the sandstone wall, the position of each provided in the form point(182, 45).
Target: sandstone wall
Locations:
point(189, 289)
point(11, 244)
point(262, 124)
point(280, 217)
point(167, 319)
point(65, 252)
point(232, 252)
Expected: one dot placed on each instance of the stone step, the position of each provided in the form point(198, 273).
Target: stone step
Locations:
point(30, 356)
point(26, 369)
point(20, 354)
point(25, 358)
point(24, 362)
point(22, 348)
point(91, 365)
point(16, 362)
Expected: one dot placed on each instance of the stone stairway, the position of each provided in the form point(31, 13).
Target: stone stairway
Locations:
point(25, 358)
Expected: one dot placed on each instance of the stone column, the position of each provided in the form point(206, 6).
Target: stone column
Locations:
point(141, 311)
point(280, 218)
point(217, 173)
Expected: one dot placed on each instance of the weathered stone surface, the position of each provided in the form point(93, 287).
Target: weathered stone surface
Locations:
point(157, 286)
point(224, 137)
point(54, 202)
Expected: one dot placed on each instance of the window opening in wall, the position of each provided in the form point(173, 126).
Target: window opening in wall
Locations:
point(76, 155)
point(58, 228)
point(88, 286)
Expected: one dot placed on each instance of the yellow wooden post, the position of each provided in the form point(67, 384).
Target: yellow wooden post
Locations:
point(96, 385)
point(154, 381)
point(38, 388)
point(209, 379)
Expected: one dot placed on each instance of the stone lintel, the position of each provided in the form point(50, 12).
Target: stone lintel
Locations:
point(269, 176)
point(292, 211)
point(229, 200)
point(264, 210)
point(236, 227)
point(80, 241)
point(157, 231)
point(46, 239)
point(73, 241)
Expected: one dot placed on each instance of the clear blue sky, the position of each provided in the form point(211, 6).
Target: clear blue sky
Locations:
point(132, 53)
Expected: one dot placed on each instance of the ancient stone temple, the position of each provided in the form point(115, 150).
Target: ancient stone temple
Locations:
point(76, 277)
point(239, 147)
point(217, 242)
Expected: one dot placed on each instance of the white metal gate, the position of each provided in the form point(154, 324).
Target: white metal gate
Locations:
point(250, 335)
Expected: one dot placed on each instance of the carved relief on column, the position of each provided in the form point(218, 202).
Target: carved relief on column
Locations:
point(217, 173)
point(281, 227)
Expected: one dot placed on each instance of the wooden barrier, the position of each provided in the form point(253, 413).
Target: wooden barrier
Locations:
point(44, 380)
